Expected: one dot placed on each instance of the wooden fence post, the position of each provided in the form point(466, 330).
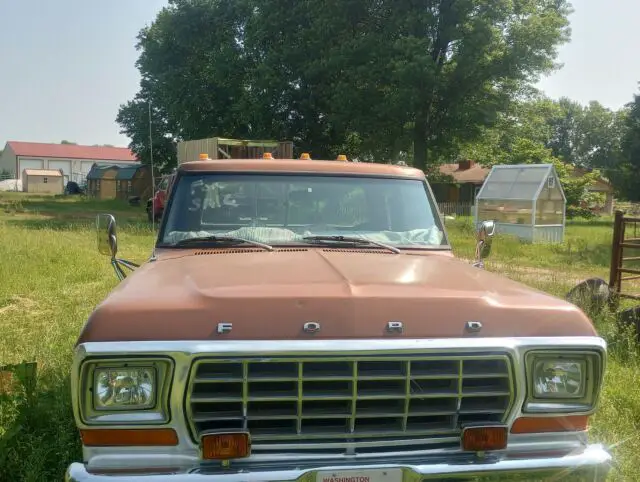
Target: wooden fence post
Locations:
point(616, 252)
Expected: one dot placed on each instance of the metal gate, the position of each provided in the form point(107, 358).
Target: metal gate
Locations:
point(625, 257)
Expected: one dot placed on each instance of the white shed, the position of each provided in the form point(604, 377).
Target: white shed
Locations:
point(43, 181)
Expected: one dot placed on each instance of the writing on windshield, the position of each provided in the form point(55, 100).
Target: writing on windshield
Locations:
point(284, 208)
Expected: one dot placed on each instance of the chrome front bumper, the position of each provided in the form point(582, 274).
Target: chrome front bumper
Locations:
point(591, 464)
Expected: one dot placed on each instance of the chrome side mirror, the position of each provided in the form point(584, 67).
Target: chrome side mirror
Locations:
point(108, 244)
point(484, 235)
point(106, 231)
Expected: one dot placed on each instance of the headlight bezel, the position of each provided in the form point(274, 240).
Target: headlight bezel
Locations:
point(586, 403)
point(158, 413)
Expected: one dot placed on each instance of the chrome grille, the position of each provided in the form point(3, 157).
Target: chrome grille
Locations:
point(321, 401)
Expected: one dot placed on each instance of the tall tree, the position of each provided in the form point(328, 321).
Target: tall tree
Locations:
point(404, 75)
point(523, 132)
point(565, 125)
point(601, 132)
point(192, 66)
point(627, 176)
point(587, 136)
point(149, 131)
point(380, 77)
point(526, 133)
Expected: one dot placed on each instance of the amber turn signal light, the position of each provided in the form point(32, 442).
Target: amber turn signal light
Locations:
point(129, 437)
point(572, 423)
point(225, 446)
point(480, 439)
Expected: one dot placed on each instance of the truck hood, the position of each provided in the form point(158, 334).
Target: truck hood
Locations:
point(348, 293)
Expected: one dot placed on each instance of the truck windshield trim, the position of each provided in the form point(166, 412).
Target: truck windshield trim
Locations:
point(281, 209)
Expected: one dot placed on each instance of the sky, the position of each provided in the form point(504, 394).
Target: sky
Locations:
point(67, 65)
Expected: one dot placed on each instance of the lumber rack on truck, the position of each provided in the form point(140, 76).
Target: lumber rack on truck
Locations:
point(224, 148)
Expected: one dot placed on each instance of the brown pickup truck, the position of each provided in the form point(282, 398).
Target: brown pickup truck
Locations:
point(307, 321)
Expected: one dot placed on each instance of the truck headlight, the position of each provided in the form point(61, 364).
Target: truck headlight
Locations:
point(559, 379)
point(125, 391)
point(563, 382)
point(124, 388)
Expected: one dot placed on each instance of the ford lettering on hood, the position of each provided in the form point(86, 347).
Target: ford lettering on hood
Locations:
point(349, 293)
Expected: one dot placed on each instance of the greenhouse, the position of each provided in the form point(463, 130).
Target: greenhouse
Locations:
point(524, 200)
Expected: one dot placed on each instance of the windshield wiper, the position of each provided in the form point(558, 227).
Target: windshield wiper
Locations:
point(349, 239)
point(229, 240)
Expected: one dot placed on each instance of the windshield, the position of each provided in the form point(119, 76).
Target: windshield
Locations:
point(284, 209)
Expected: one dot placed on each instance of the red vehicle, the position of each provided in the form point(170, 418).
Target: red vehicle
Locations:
point(155, 205)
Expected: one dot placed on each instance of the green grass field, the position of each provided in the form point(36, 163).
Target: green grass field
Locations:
point(51, 277)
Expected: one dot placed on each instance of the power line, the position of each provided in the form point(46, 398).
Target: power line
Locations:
point(153, 176)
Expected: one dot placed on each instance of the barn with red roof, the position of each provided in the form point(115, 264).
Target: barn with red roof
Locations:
point(73, 160)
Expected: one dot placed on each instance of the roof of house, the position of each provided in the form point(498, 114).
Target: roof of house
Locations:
point(97, 172)
point(477, 173)
point(72, 151)
point(43, 172)
point(602, 184)
point(127, 173)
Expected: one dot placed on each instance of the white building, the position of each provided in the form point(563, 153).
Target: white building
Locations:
point(75, 161)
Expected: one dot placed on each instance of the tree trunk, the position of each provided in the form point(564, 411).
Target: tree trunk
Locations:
point(398, 145)
point(424, 120)
point(420, 144)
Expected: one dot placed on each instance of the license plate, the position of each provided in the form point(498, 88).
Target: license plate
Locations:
point(377, 475)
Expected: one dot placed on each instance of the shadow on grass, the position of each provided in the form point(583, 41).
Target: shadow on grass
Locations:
point(584, 252)
point(41, 439)
point(61, 207)
point(69, 213)
point(606, 221)
point(586, 245)
point(74, 224)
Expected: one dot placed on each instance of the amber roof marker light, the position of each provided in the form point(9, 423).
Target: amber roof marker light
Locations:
point(305, 156)
point(267, 155)
point(203, 157)
point(342, 158)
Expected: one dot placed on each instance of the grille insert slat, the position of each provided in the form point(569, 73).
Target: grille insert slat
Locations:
point(302, 401)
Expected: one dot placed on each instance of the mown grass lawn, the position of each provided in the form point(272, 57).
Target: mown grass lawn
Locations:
point(51, 277)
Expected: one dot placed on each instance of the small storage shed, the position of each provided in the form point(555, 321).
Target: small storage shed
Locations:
point(101, 182)
point(133, 181)
point(525, 200)
point(43, 181)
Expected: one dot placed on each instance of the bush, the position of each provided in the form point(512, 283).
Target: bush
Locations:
point(580, 212)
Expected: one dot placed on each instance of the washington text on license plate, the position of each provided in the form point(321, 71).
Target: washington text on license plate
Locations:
point(377, 475)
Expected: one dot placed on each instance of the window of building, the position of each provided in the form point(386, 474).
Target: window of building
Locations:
point(45, 180)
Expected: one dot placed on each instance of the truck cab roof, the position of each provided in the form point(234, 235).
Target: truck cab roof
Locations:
point(302, 166)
